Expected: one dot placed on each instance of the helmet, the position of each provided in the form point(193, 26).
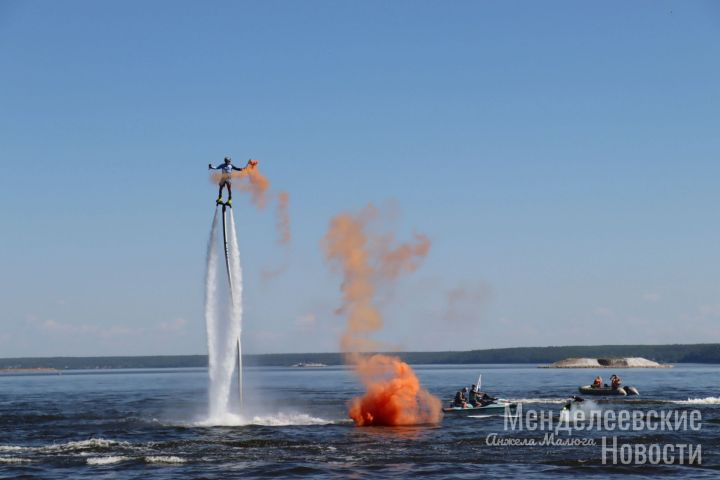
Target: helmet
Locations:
point(227, 159)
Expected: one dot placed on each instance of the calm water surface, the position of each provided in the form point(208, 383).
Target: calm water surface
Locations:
point(149, 424)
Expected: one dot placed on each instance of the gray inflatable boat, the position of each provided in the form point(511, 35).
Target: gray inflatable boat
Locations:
point(622, 390)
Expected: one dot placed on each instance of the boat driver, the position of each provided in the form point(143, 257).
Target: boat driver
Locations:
point(480, 399)
point(460, 399)
point(474, 397)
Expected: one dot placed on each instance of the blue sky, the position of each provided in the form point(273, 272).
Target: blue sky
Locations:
point(563, 158)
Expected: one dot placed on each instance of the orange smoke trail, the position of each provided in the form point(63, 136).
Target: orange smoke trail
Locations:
point(258, 187)
point(283, 218)
point(393, 392)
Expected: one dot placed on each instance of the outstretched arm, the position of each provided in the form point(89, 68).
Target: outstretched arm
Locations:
point(240, 169)
point(211, 167)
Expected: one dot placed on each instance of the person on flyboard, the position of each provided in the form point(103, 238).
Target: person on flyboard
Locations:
point(227, 168)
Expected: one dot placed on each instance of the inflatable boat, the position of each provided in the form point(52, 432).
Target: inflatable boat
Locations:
point(608, 390)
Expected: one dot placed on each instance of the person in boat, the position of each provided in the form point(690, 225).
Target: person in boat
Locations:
point(460, 399)
point(227, 168)
point(480, 399)
point(615, 382)
point(598, 382)
point(474, 400)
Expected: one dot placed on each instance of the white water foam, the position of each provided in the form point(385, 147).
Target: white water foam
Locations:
point(106, 460)
point(14, 460)
point(699, 401)
point(164, 459)
point(92, 443)
point(280, 419)
point(13, 448)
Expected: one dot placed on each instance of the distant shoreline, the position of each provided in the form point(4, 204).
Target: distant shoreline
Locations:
point(708, 353)
point(15, 371)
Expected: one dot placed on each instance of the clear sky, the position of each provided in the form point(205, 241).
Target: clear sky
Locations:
point(564, 158)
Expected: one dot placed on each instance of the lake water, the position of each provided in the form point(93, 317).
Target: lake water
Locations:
point(149, 424)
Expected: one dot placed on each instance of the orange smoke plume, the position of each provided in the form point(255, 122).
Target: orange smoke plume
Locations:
point(394, 395)
point(405, 257)
point(346, 244)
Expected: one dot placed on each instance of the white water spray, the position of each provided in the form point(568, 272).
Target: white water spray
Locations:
point(223, 316)
point(236, 293)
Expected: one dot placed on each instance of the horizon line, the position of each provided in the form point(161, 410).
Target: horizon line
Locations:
point(373, 352)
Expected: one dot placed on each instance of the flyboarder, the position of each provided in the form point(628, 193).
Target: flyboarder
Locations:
point(227, 168)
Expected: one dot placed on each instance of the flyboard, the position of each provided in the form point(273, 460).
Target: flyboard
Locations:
point(225, 212)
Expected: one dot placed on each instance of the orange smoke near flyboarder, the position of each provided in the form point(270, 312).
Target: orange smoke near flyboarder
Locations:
point(258, 186)
point(226, 174)
point(393, 392)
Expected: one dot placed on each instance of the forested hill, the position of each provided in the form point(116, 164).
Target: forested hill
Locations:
point(698, 353)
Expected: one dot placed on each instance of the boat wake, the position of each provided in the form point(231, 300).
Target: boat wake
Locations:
point(538, 400)
point(689, 401)
point(699, 401)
